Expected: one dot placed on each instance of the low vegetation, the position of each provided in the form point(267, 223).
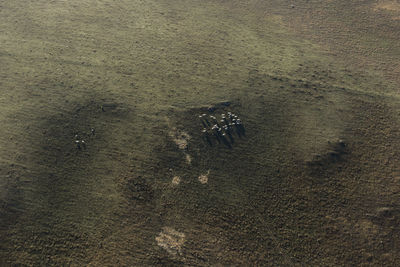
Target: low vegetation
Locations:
point(314, 180)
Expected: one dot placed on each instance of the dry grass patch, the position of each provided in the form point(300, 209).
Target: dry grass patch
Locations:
point(188, 158)
point(204, 177)
point(171, 240)
point(176, 180)
point(181, 138)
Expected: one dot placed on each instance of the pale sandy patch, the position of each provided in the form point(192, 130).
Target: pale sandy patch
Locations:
point(204, 177)
point(181, 138)
point(176, 180)
point(171, 240)
point(188, 158)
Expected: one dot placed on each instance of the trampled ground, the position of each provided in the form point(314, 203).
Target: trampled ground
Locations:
point(314, 181)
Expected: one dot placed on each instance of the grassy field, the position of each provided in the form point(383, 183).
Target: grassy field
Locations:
point(315, 181)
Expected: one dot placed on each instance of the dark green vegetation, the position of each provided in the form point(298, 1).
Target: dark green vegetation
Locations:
point(314, 182)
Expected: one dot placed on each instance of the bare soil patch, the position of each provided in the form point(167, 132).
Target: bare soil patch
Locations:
point(203, 178)
point(171, 240)
point(176, 180)
point(180, 137)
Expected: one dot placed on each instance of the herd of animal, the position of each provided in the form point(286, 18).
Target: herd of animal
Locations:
point(223, 130)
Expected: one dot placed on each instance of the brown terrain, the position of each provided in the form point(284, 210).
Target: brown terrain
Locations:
point(312, 180)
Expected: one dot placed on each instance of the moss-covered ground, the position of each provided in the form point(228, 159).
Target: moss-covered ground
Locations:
point(315, 181)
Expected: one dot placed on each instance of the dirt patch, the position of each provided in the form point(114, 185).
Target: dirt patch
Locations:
point(204, 177)
point(171, 240)
point(181, 138)
point(176, 180)
point(188, 159)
